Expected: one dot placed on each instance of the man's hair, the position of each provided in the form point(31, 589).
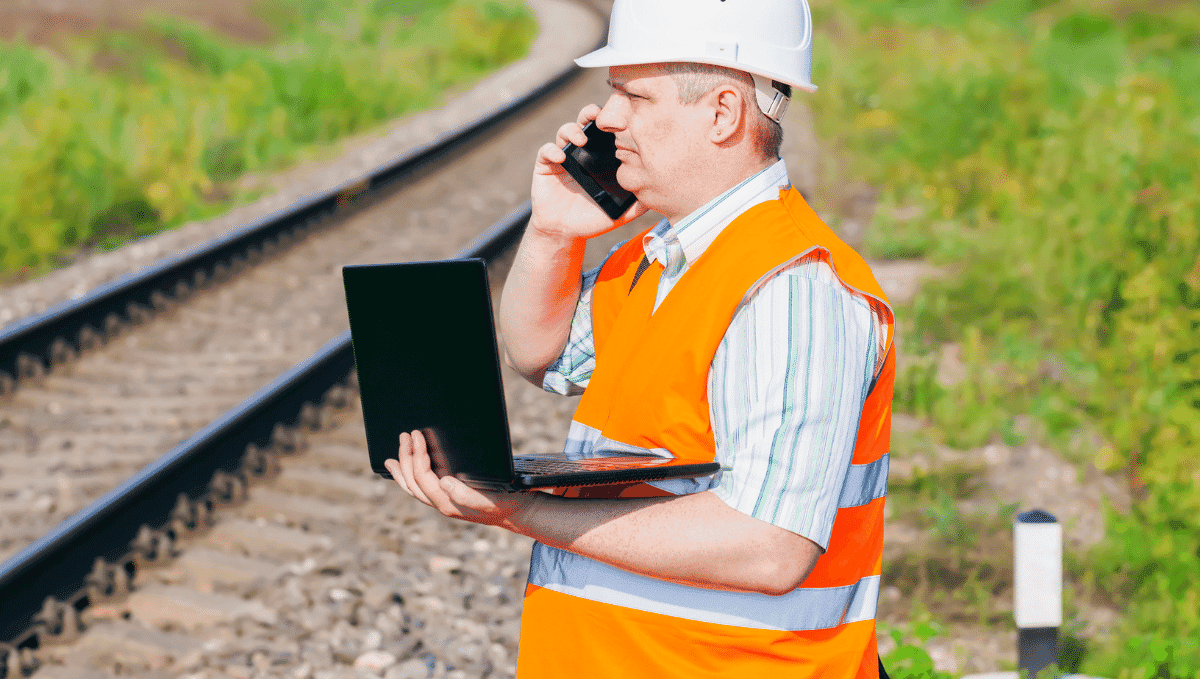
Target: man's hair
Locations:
point(696, 80)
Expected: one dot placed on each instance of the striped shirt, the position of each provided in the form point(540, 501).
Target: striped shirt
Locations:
point(787, 384)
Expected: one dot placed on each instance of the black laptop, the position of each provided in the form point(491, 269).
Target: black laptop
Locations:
point(425, 350)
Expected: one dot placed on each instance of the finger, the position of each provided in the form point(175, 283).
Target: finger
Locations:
point(406, 474)
point(552, 157)
point(571, 132)
point(406, 469)
point(393, 467)
point(588, 114)
point(427, 480)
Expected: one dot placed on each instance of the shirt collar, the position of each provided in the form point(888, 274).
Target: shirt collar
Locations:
point(699, 229)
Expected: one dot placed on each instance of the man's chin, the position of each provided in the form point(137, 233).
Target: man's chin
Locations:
point(629, 182)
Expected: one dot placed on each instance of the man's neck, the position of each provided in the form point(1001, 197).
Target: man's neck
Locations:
point(719, 183)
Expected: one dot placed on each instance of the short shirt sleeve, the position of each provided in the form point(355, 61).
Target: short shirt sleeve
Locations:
point(786, 391)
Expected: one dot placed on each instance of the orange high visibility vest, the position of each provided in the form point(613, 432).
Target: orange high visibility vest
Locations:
point(649, 390)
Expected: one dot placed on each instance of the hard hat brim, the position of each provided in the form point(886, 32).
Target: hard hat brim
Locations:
point(608, 56)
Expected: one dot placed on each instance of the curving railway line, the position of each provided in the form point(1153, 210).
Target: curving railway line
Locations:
point(259, 543)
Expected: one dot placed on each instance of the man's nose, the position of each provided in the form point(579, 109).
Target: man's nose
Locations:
point(610, 118)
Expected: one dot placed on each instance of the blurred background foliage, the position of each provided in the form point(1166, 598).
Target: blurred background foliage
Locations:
point(1050, 152)
point(1044, 151)
point(118, 133)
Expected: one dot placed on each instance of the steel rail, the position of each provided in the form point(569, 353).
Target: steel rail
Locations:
point(45, 585)
point(31, 345)
point(57, 566)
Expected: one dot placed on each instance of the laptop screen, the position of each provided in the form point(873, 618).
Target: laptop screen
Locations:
point(425, 350)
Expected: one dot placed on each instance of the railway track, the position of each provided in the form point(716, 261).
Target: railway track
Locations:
point(260, 545)
point(157, 367)
point(306, 563)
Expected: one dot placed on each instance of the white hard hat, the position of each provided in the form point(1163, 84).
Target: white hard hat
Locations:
point(769, 39)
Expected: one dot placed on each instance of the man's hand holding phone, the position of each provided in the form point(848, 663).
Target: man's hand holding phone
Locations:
point(563, 206)
point(543, 286)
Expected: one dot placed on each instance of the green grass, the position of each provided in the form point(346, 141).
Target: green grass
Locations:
point(120, 134)
point(908, 659)
point(1051, 149)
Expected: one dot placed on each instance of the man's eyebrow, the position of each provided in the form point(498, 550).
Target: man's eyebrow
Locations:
point(617, 85)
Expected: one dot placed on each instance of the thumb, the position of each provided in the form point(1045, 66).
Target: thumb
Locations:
point(458, 491)
point(636, 210)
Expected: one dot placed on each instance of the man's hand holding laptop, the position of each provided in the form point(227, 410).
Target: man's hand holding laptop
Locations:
point(413, 472)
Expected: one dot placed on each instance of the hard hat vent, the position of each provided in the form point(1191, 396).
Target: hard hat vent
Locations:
point(722, 50)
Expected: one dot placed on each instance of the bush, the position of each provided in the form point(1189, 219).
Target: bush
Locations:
point(96, 156)
point(1053, 149)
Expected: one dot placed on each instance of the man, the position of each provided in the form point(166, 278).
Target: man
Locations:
point(741, 329)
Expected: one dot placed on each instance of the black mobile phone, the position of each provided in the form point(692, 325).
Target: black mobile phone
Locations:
point(594, 166)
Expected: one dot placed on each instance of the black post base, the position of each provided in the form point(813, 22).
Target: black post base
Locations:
point(1037, 649)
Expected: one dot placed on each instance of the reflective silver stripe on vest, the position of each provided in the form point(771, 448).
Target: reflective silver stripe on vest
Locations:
point(865, 482)
point(799, 610)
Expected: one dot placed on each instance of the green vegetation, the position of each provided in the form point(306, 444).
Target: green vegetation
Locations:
point(122, 133)
point(1050, 147)
point(908, 659)
point(963, 563)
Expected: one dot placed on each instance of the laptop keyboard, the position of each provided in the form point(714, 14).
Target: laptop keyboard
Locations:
point(545, 467)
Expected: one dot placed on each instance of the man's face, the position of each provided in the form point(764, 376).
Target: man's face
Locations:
point(658, 139)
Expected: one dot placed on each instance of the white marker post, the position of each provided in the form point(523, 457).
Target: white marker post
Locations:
point(1037, 595)
point(1037, 589)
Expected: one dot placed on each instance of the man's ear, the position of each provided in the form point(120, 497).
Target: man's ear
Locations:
point(729, 115)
